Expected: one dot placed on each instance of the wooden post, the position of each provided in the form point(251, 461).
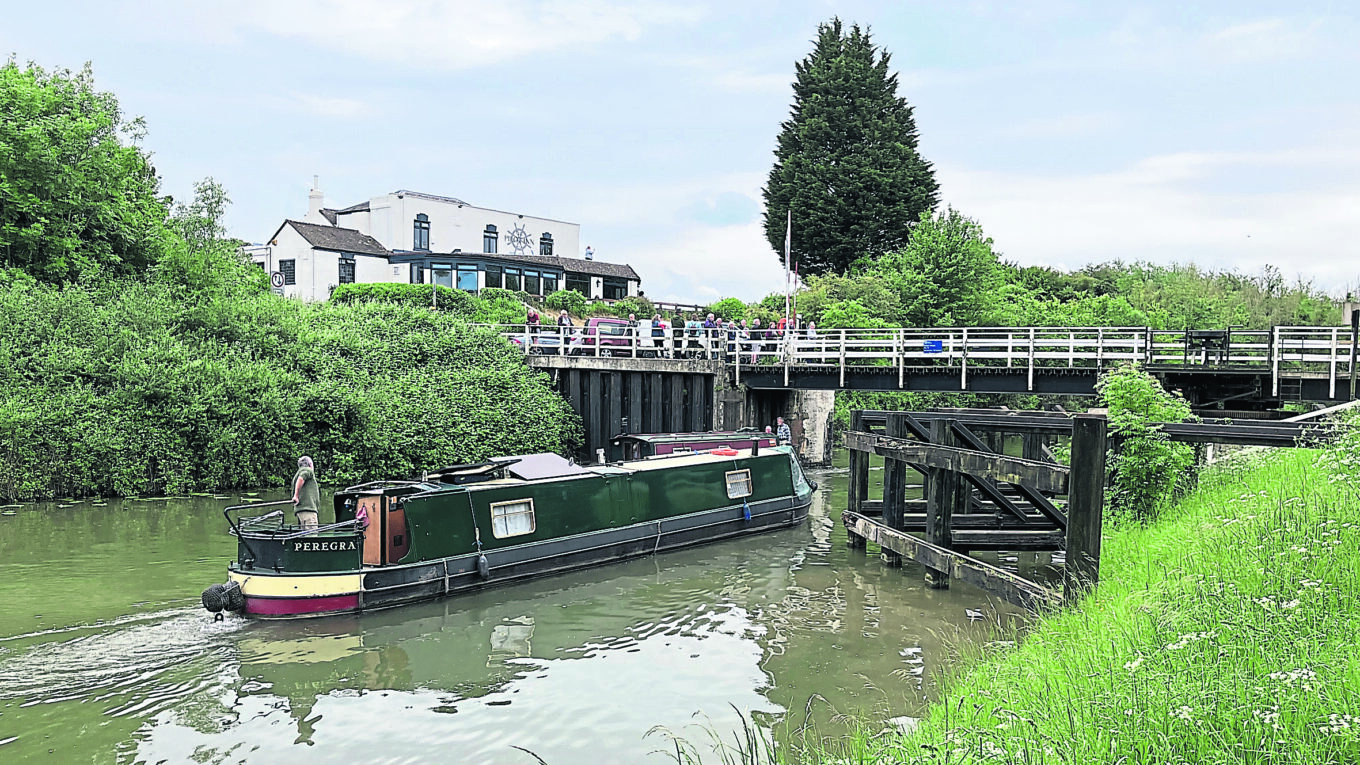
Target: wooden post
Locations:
point(1031, 447)
point(943, 493)
point(1085, 505)
point(859, 467)
point(895, 477)
point(894, 487)
point(1355, 344)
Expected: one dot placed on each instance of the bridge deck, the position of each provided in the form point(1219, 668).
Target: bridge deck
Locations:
point(1212, 366)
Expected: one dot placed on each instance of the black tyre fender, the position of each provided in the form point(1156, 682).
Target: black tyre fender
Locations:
point(214, 598)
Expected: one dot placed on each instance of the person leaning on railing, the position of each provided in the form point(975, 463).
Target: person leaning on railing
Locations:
point(534, 324)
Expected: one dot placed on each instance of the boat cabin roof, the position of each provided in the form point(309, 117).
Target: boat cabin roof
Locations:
point(684, 438)
point(571, 470)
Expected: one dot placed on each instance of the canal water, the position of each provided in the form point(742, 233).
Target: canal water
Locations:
point(106, 656)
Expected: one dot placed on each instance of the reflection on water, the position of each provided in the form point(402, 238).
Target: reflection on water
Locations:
point(101, 635)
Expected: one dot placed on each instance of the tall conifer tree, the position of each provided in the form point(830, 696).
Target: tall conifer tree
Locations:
point(847, 160)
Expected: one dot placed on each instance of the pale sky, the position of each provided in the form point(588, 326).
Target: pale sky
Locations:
point(1227, 133)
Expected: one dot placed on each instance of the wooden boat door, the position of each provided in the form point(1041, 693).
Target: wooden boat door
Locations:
point(386, 539)
point(396, 537)
point(373, 535)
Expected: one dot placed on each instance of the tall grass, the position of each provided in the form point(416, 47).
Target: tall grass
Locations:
point(1224, 632)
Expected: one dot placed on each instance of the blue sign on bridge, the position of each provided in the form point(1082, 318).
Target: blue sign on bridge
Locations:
point(934, 346)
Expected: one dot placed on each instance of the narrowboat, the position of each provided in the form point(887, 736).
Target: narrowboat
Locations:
point(472, 526)
point(637, 446)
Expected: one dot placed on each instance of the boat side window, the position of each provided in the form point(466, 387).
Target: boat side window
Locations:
point(682, 450)
point(738, 484)
point(511, 519)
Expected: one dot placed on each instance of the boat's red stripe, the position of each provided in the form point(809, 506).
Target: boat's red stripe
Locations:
point(292, 606)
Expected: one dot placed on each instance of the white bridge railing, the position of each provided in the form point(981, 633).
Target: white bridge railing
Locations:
point(1287, 353)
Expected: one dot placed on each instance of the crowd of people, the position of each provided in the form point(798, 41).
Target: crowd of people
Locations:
point(690, 336)
point(712, 334)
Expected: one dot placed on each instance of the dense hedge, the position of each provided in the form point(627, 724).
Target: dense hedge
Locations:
point(412, 295)
point(127, 389)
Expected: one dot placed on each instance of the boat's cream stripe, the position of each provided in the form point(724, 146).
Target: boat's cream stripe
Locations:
point(297, 586)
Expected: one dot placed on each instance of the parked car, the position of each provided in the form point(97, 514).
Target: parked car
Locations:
point(546, 343)
point(603, 336)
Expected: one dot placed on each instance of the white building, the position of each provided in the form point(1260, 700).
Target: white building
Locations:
point(410, 237)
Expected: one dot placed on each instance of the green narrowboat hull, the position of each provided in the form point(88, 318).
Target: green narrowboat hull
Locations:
point(464, 531)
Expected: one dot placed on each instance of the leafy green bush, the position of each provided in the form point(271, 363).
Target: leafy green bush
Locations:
point(127, 388)
point(1148, 469)
point(573, 301)
point(729, 308)
point(640, 307)
point(849, 314)
point(499, 306)
point(448, 299)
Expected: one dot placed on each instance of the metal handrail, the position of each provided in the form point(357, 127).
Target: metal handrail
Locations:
point(353, 522)
point(236, 530)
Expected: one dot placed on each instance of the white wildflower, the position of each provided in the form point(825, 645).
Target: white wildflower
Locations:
point(1339, 724)
point(1300, 676)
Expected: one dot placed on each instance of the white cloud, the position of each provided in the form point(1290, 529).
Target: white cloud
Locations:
point(1263, 40)
point(453, 35)
point(1175, 208)
point(705, 263)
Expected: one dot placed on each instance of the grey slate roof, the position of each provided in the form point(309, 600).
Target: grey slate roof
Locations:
point(339, 239)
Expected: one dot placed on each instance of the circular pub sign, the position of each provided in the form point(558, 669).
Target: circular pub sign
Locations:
point(276, 279)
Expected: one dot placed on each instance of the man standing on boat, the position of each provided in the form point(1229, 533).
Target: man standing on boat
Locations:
point(306, 495)
point(783, 436)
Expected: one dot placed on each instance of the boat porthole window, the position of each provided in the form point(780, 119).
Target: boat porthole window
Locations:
point(512, 519)
point(738, 484)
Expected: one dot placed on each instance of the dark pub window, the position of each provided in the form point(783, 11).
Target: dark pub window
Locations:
point(422, 233)
point(493, 276)
point(615, 289)
point(512, 279)
point(417, 274)
point(531, 284)
point(289, 271)
point(545, 245)
point(347, 271)
point(549, 284)
point(580, 283)
point(489, 237)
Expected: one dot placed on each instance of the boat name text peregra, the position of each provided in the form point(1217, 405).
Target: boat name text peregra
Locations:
point(334, 546)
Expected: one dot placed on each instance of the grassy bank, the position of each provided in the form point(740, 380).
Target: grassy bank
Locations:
point(1224, 632)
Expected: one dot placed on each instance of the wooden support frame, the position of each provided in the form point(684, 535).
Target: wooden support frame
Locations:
point(1043, 476)
point(943, 552)
point(1004, 584)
